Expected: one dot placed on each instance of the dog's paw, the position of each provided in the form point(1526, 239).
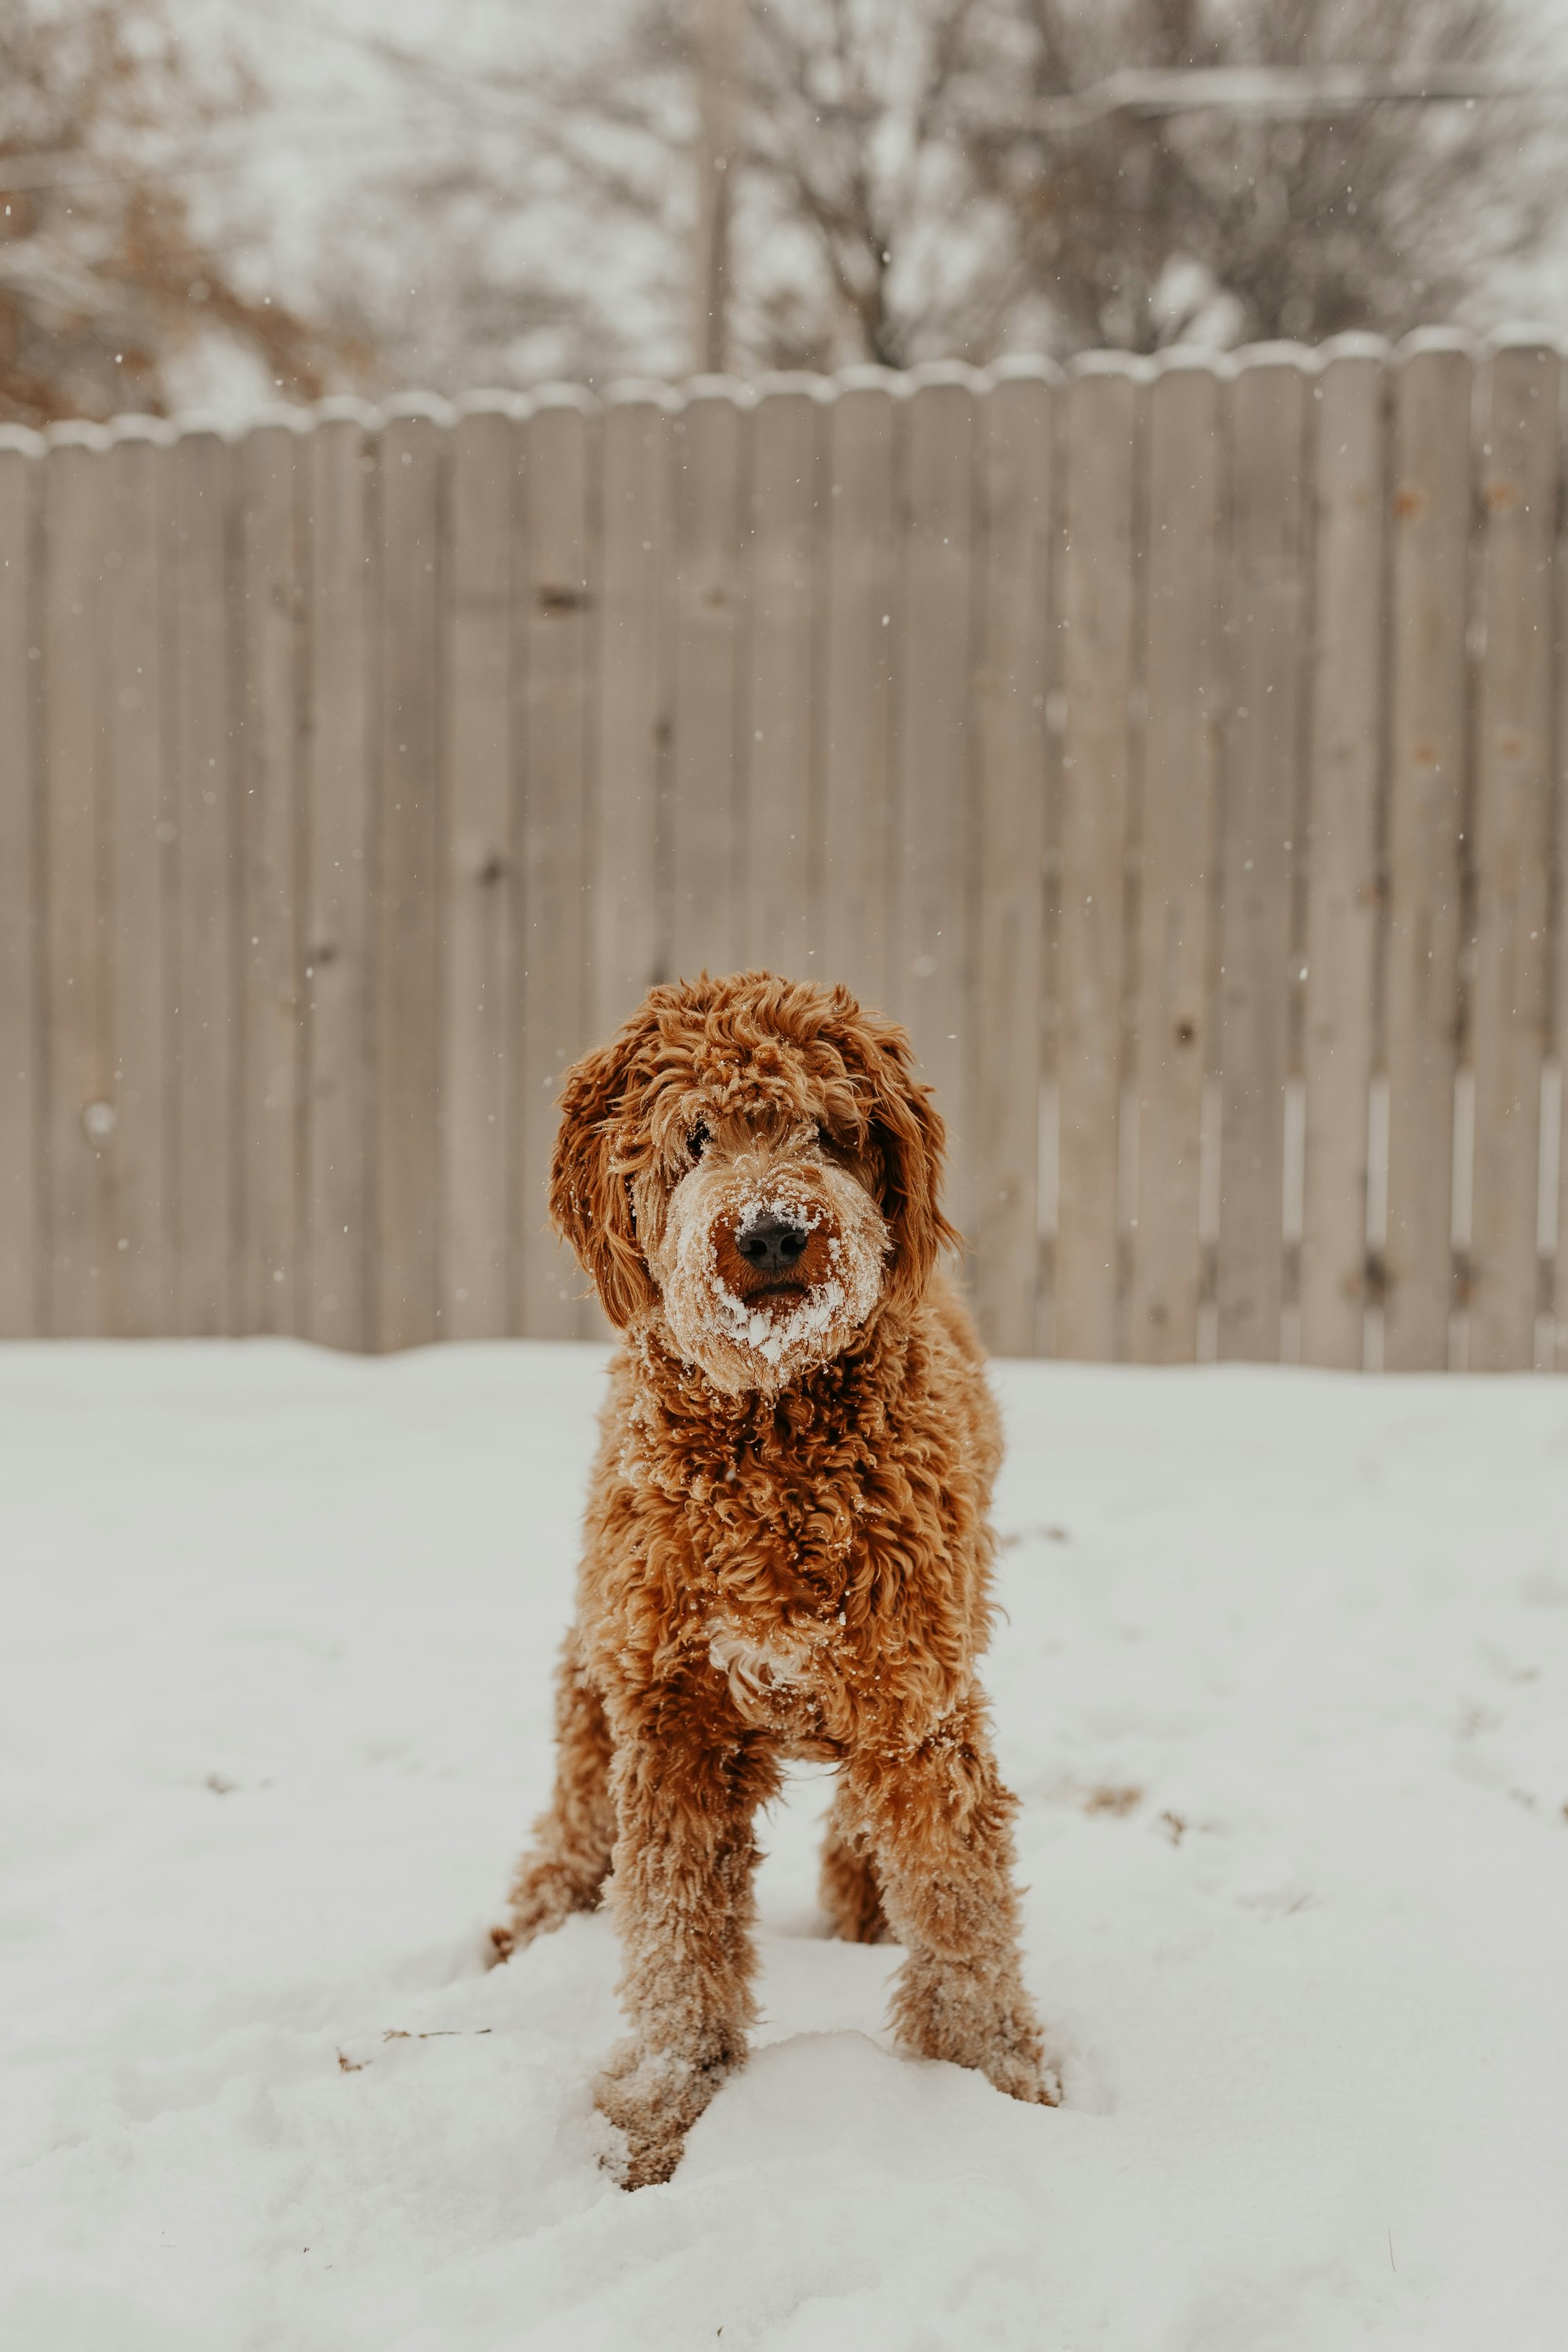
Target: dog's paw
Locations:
point(1017, 2063)
point(650, 2099)
point(641, 2160)
point(1033, 2080)
point(957, 2011)
point(544, 1896)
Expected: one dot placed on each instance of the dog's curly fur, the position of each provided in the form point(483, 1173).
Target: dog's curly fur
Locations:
point(788, 1548)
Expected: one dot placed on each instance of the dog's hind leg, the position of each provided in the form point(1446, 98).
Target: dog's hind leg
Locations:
point(941, 1825)
point(570, 1858)
point(850, 1891)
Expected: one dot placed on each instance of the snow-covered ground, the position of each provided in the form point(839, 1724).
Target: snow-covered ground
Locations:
point(1281, 1683)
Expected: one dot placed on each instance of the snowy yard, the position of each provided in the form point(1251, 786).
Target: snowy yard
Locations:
point(1281, 1683)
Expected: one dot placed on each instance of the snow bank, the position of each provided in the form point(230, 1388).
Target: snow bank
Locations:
point(1281, 1685)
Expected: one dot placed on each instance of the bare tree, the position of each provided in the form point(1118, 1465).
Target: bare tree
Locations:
point(104, 281)
point(919, 192)
point(536, 220)
point(1134, 231)
point(909, 179)
point(868, 236)
point(561, 213)
point(907, 192)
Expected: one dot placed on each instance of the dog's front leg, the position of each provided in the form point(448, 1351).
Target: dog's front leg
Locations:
point(686, 1794)
point(941, 1823)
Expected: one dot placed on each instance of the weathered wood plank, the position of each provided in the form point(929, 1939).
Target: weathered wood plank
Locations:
point(935, 876)
point(479, 896)
point(861, 631)
point(1519, 471)
point(1101, 417)
point(21, 899)
point(204, 1026)
point(1343, 843)
point(631, 926)
point(779, 746)
point(269, 465)
point(1266, 606)
point(407, 1307)
point(1554, 1353)
point(141, 846)
point(335, 948)
point(711, 455)
point(1019, 491)
point(1431, 529)
point(560, 574)
point(1184, 478)
point(80, 1106)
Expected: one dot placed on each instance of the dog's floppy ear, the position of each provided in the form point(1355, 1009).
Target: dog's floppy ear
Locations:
point(909, 1139)
point(589, 1205)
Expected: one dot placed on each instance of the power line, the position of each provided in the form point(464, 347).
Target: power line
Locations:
point(1276, 93)
point(1268, 93)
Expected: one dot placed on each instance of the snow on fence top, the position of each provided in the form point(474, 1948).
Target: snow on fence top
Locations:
point(1174, 745)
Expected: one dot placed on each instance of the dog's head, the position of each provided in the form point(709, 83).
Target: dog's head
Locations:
point(755, 1159)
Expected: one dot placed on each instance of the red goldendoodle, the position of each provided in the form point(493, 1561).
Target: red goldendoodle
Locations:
point(787, 1549)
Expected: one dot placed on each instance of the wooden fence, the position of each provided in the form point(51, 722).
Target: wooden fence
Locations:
point(1175, 749)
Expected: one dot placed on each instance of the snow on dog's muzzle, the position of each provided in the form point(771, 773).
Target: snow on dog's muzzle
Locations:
point(768, 1272)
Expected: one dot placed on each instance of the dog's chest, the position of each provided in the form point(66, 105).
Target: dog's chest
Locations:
point(763, 1667)
point(780, 1540)
point(778, 1680)
point(778, 1522)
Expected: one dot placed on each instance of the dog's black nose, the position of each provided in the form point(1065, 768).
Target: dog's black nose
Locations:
point(772, 1244)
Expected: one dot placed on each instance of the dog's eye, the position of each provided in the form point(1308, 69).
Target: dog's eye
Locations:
point(824, 1138)
point(696, 1141)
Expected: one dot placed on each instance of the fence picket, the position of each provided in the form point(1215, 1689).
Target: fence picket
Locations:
point(336, 942)
point(1013, 677)
point(478, 891)
point(862, 628)
point(779, 826)
point(712, 442)
point(934, 868)
point(1266, 611)
point(269, 466)
point(631, 929)
point(1432, 496)
point(407, 1302)
point(77, 1174)
point(1342, 846)
point(1103, 405)
point(206, 1090)
point(1181, 624)
point(561, 582)
point(141, 850)
point(21, 901)
point(1512, 841)
point(1555, 1214)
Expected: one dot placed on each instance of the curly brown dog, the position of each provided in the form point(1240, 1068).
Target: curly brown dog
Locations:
point(787, 1551)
